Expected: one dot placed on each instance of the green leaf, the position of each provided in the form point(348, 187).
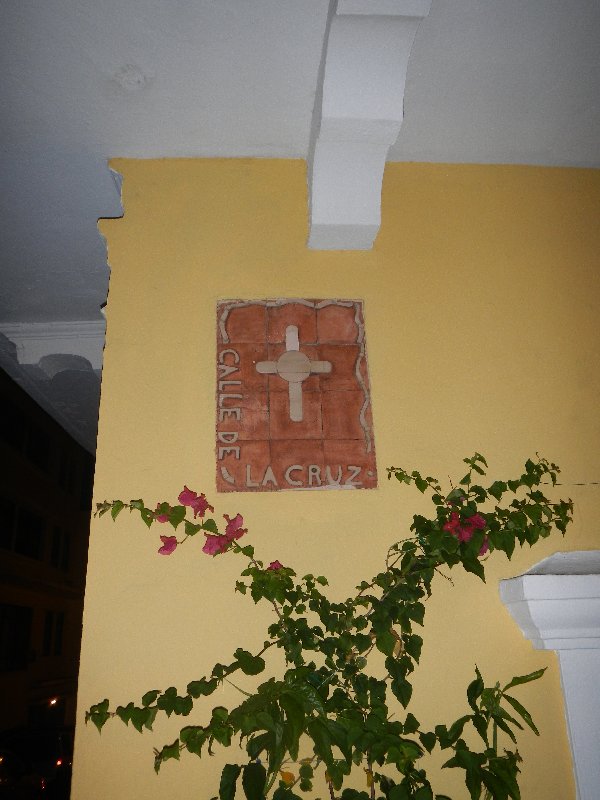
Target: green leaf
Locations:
point(481, 726)
point(307, 694)
point(522, 711)
point(506, 771)
point(420, 483)
point(428, 740)
point(210, 525)
point(416, 612)
point(124, 713)
point(413, 645)
point(474, 690)
point(176, 515)
point(532, 676)
point(475, 566)
point(284, 793)
point(150, 697)
point(456, 729)
point(386, 642)
point(321, 737)
point(411, 724)
point(168, 751)
point(402, 690)
point(294, 713)
point(249, 664)
point(259, 743)
point(98, 714)
point(503, 726)
point(424, 793)
point(229, 776)
point(193, 737)
point(190, 528)
point(398, 792)
point(166, 701)
point(254, 780)
point(117, 507)
point(497, 489)
point(202, 687)
point(495, 785)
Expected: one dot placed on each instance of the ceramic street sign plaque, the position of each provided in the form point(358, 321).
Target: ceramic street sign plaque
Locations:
point(293, 396)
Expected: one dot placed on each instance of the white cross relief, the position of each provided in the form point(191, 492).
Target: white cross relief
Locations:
point(294, 367)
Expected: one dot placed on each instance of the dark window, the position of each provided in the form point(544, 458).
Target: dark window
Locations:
point(15, 633)
point(66, 551)
point(61, 544)
point(54, 623)
point(30, 534)
point(67, 471)
point(8, 514)
point(13, 425)
point(59, 624)
point(86, 488)
point(38, 447)
point(48, 630)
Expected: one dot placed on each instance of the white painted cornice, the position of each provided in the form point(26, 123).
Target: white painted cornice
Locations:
point(37, 339)
point(557, 606)
point(358, 117)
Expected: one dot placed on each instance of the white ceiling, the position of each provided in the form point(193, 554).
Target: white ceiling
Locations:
point(501, 81)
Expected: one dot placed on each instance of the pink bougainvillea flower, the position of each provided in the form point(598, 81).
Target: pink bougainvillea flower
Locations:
point(215, 545)
point(464, 530)
point(234, 528)
point(169, 543)
point(219, 543)
point(275, 565)
point(201, 506)
point(477, 521)
point(197, 502)
point(160, 517)
point(452, 523)
point(186, 496)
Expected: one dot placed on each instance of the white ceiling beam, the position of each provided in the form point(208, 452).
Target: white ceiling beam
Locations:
point(358, 117)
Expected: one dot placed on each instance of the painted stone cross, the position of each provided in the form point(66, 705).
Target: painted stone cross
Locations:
point(293, 397)
point(294, 367)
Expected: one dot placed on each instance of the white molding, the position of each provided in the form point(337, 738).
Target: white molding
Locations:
point(37, 339)
point(557, 606)
point(358, 118)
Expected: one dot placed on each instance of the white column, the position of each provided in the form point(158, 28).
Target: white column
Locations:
point(557, 606)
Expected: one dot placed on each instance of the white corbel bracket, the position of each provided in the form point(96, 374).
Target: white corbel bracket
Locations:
point(359, 118)
point(557, 606)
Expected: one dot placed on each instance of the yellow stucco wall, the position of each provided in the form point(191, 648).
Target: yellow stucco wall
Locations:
point(481, 305)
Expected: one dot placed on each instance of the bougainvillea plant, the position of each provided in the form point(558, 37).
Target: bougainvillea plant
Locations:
point(327, 702)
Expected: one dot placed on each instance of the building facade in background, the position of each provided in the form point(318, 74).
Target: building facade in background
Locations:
point(45, 499)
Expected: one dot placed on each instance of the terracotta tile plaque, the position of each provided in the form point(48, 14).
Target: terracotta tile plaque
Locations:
point(293, 396)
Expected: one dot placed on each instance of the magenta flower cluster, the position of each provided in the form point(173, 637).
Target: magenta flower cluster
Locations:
point(215, 543)
point(464, 529)
point(220, 542)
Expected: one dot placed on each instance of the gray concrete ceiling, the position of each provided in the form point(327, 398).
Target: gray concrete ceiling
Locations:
point(489, 81)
